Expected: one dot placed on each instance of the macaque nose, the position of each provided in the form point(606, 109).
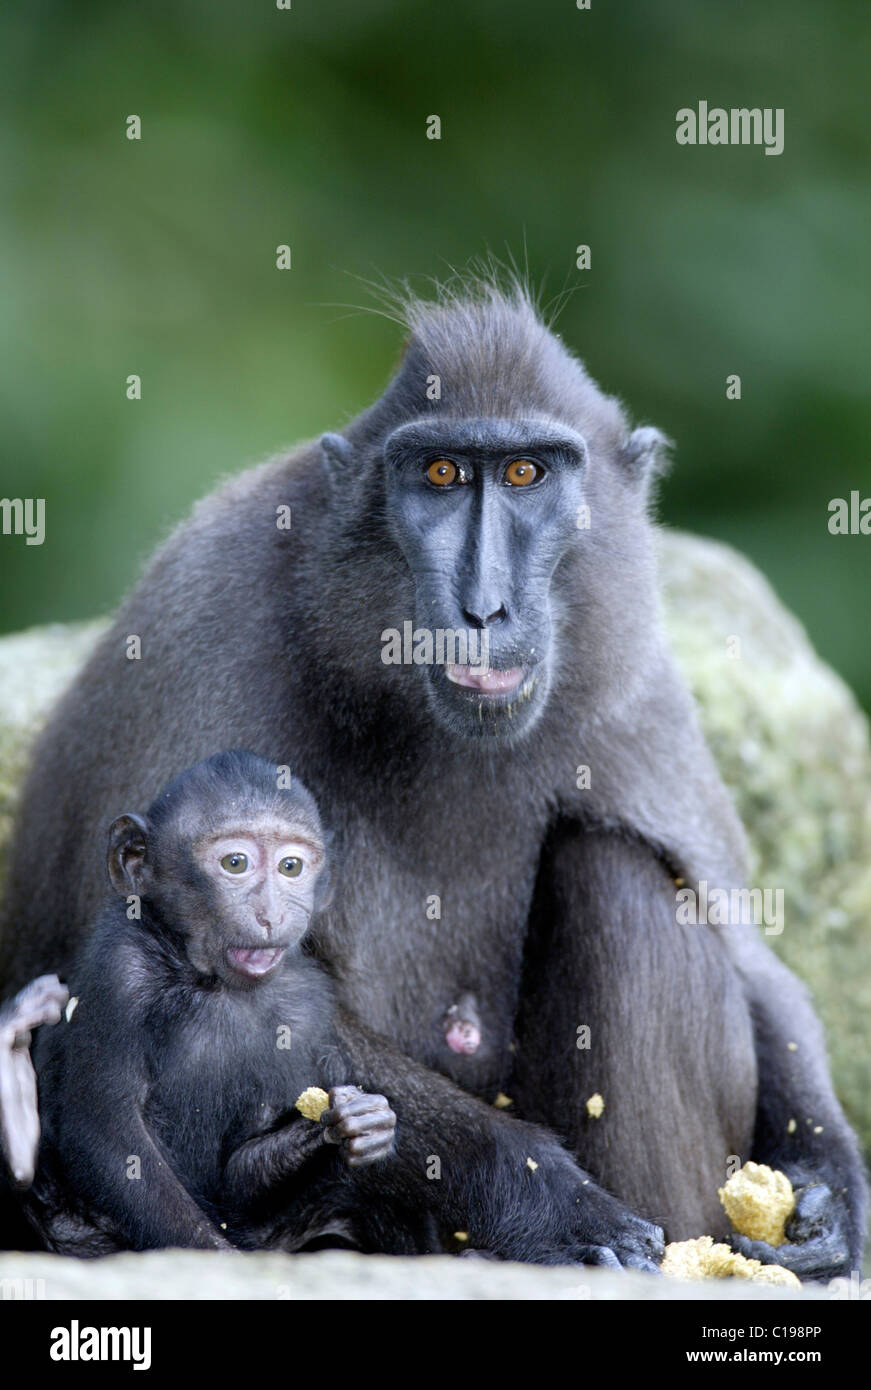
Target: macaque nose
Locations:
point(476, 620)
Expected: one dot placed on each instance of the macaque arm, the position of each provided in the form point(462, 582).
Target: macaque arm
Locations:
point(360, 1124)
point(104, 1142)
point(129, 1179)
point(262, 1163)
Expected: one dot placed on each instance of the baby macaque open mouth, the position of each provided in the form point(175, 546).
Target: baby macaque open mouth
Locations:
point(254, 961)
point(488, 682)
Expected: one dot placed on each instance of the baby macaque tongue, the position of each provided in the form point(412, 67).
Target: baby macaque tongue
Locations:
point(254, 961)
point(489, 682)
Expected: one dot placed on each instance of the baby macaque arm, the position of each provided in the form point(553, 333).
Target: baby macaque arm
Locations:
point(261, 1163)
point(115, 1162)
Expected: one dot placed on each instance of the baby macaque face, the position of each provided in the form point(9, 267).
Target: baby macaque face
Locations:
point(261, 885)
point(228, 862)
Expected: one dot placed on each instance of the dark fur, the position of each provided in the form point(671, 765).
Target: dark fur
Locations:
point(272, 640)
point(170, 1064)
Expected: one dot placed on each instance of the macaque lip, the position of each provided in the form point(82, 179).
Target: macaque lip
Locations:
point(490, 682)
point(254, 961)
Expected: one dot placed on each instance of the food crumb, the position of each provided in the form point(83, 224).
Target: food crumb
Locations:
point(595, 1105)
point(312, 1103)
point(706, 1259)
point(502, 1101)
point(531, 1164)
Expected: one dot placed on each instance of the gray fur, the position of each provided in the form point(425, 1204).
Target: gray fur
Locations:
point(271, 640)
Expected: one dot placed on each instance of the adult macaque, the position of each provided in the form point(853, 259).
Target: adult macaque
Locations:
point(195, 1022)
point(513, 502)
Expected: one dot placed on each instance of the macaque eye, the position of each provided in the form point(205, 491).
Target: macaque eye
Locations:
point(235, 863)
point(290, 867)
point(522, 472)
point(442, 472)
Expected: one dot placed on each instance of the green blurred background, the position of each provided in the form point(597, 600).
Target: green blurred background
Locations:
point(263, 126)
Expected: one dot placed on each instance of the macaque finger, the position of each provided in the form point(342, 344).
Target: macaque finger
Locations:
point(367, 1148)
point(354, 1126)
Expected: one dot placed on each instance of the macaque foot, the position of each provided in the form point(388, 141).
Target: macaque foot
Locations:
point(817, 1244)
point(42, 1001)
point(364, 1125)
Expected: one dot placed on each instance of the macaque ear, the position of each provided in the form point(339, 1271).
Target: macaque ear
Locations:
point(338, 455)
point(644, 455)
point(128, 840)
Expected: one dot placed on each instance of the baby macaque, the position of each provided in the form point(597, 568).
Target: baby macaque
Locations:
point(168, 1090)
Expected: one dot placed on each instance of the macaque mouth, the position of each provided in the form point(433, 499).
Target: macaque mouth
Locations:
point(254, 961)
point(490, 681)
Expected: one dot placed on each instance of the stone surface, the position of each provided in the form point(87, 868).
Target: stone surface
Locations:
point(34, 668)
point(196, 1274)
point(792, 745)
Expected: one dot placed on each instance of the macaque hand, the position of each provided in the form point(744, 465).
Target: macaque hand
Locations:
point(42, 1001)
point(817, 1244)
point(364, 1125)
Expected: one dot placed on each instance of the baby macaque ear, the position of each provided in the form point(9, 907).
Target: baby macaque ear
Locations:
point(125, 859)
point(645, 454)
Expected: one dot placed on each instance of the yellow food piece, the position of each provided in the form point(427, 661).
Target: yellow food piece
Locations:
point(461, 1235)
point(531, 1164)
point(502, 1101)
point(706, 1259)
point(759, 1201)
point(595, 1105)
point(697, 1259)
point(773, 1274)
point(312, 1103)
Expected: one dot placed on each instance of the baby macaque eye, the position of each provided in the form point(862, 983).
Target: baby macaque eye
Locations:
point(235, 863)
point(290, 867)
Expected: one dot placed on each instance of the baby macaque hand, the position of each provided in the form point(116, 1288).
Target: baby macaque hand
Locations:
point(364, 1125)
